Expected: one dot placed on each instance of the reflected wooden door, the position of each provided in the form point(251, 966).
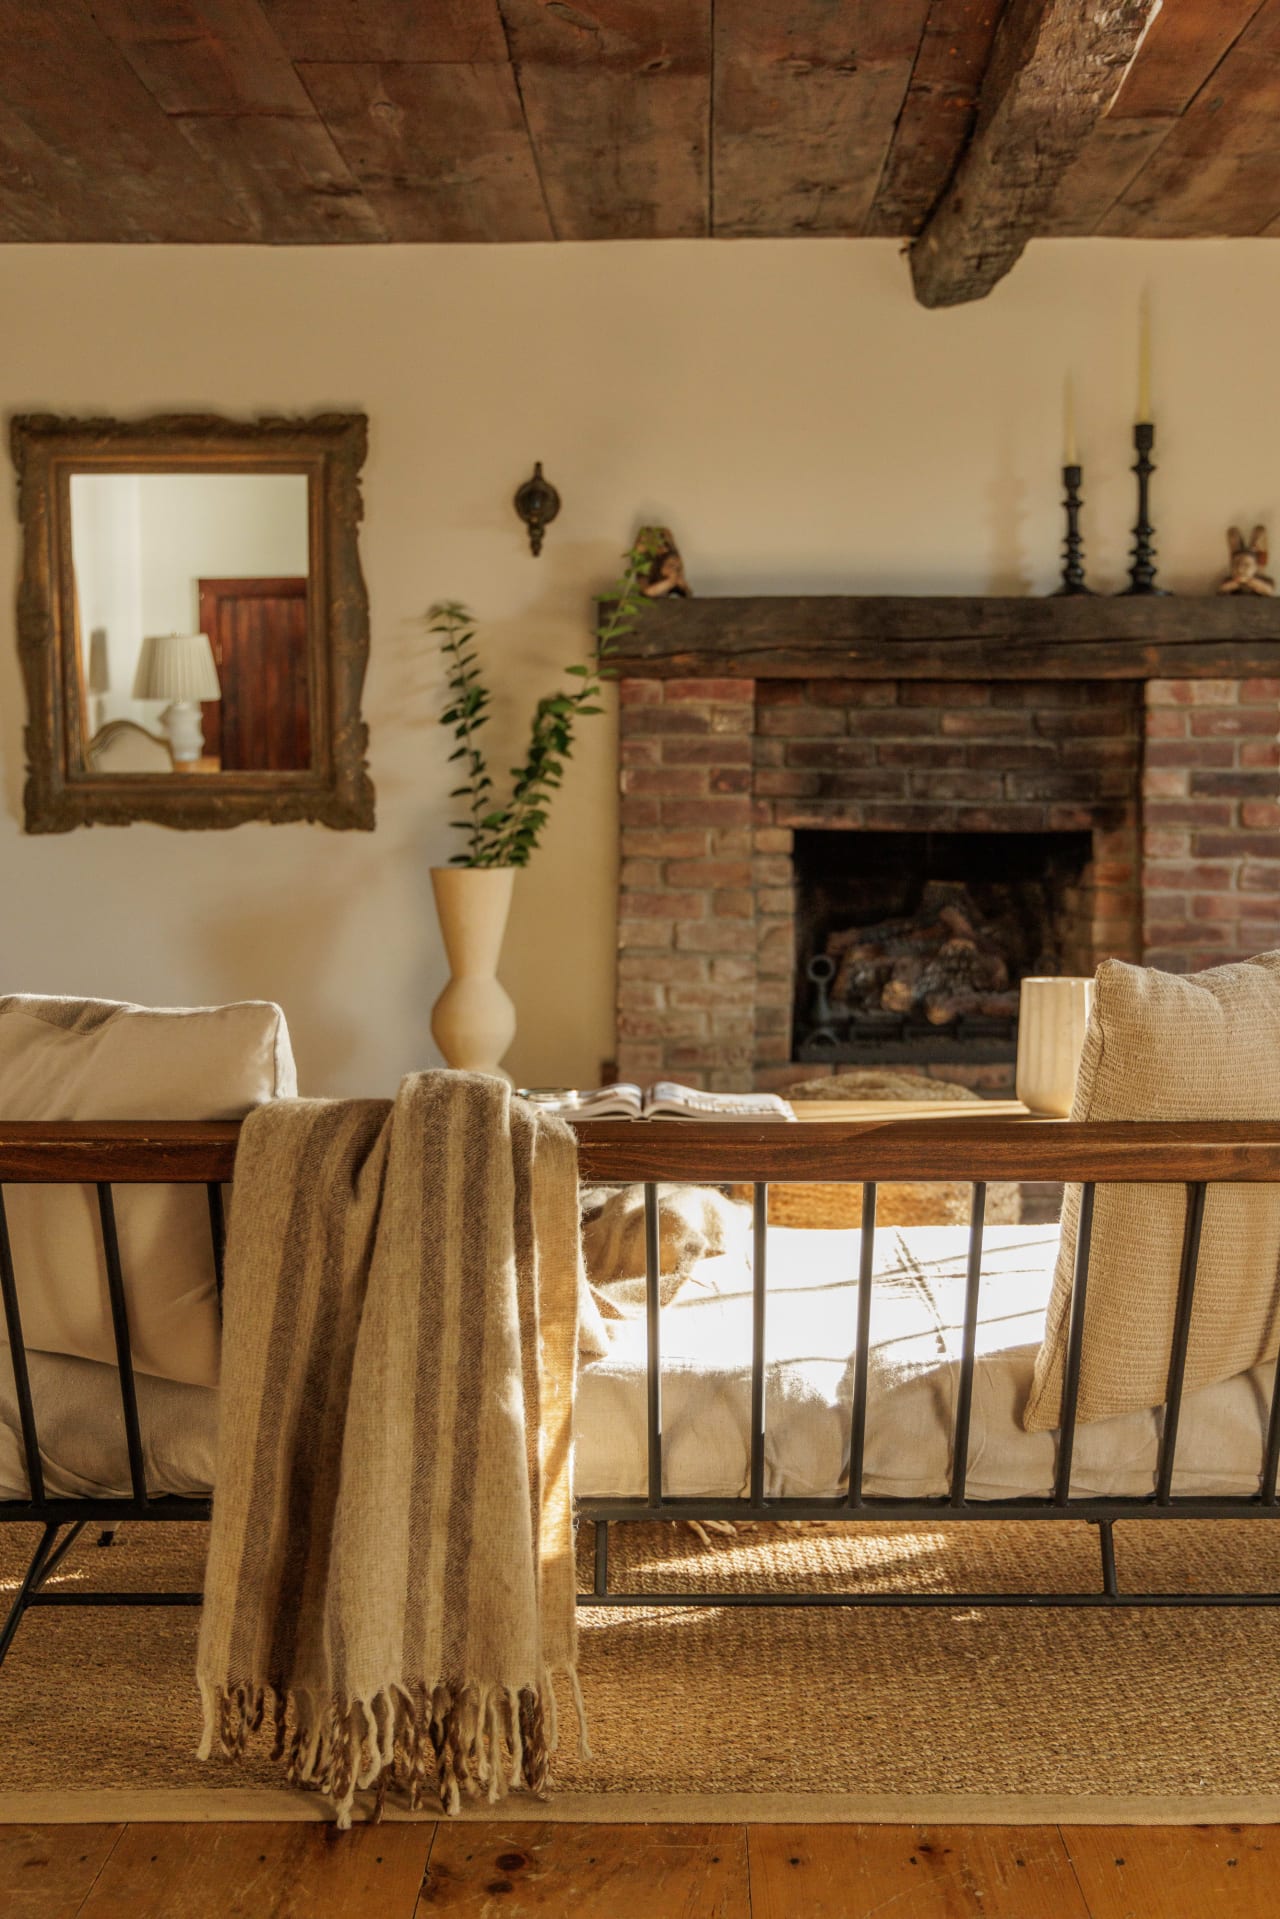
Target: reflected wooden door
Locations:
point(258, 632)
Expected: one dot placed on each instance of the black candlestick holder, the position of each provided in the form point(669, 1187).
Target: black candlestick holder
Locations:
point(1142, 574)
point(1073, 551)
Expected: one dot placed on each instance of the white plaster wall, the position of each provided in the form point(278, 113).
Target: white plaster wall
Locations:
point(786, 408)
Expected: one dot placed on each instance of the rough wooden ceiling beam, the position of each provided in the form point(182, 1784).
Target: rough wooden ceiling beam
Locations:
point(937, 115)
point(806, 99)
point(1056, 66)
point(439, 32)
point(616, 96)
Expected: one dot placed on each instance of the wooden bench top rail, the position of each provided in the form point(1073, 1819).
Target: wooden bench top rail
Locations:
point(142, 1152)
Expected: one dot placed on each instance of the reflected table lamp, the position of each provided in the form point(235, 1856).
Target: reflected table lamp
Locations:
point(179, 668)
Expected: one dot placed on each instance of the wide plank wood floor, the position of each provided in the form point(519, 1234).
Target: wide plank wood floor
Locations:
point(493, 1871)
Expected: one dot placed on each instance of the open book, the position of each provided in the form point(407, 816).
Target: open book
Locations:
point(665, 1099)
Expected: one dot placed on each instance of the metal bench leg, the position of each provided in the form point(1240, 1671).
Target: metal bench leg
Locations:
point(40, 1559)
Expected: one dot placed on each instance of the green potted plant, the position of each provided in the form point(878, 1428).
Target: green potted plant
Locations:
point(474, 1022)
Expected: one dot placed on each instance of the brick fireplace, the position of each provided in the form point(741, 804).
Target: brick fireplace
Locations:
point(1161, 796)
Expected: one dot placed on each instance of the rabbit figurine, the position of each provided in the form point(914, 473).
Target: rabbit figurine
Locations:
point(1246, 574)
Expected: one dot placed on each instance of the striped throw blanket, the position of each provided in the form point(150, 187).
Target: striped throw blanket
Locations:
point(390, 1578)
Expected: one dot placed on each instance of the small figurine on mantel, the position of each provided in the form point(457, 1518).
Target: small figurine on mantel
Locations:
point(1248, 559)
point(665, 578)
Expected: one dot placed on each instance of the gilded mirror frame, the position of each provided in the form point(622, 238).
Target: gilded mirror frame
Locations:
point(61, 792)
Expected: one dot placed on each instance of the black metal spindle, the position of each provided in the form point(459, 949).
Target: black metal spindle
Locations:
point(1109, 1583)
point(968, 1349)
point(124, 1351)
point(601, 1582)
point(1181, 1334)
point(24, 1596)
point(653, 1349)
point(1075, 1349)
point(18, 1360)
point(759, 1281)
point(1271, 1452)
point(218, 1234)
point(866, 1264)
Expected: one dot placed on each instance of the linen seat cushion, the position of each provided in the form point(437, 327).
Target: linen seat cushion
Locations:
point(64, 1059)
point(1161, 1047)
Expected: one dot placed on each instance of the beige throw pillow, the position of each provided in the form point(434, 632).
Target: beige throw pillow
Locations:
point(1161, 1047)
point(63, 1059)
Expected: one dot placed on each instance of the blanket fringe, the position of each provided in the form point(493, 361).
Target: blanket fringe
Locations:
point(454, 1742)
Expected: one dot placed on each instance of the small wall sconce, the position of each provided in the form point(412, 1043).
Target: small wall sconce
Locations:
point(537, 503)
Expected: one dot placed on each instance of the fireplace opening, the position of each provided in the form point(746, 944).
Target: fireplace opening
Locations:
point(911, 946)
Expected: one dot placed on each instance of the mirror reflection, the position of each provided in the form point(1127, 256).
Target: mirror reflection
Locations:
point(191, 611)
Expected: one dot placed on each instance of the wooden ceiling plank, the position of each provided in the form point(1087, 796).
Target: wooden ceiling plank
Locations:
point(441, 153)
point(616, 97)
point(109, 165)
point(1056, 66)
point(1218, 171)
point(1181, 51)
point(220, 74)
point(805, 103)
point(937, 115)
point(448, 32)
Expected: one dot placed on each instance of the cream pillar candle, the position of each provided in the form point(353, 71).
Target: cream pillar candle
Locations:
point(1051, 1021)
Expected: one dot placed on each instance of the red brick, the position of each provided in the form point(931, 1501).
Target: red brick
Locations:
point(1235, 846)
point(1253, 722)
point(716, 936)
point(956, 786)
point(1060, 786)
point(729, 970)
point(663, 905)
point(1216, 906)
point(1260, 876)
point(678, 782)
point(770, 869)
point(936, 753)
point(640, 692)
point(682, 749)
point(1166, 784)
point(732, 719)
point(984, 724)
point(638, 1060)
point(734, 903)
point(666, 969)
point(1260, 813)
point(1235, 786)
point(669, 1026)
point(1111, 872)
point(690, 844)
point(711, 997)
point(640, 873)
point(731, 843)
point(1159, 844)
point(768, 752)
point(1188, 753)
point(1181, 933)
point(831, 753)
point(1202, 813)
point(633, 811)
point(1260, 692)
point(784, 783)
point(1205, 876)
point(1046, 693)
point(641, 752)
point(1067, 819)
point(782, 692)
point(773, 839)
point(643, 934)
point(717, 810)
point(730, 779)
point(1258, 753)
point(948, 693)
point(642, 996)
point(709, 873)
point(894, 723)
point(1087, 723)
point(727, 692)
point(803, 722)
point(1165, 723)
point(775, 951)
point(853, 692)
point(1192, 692)
point(662, 720)
point(775, 900)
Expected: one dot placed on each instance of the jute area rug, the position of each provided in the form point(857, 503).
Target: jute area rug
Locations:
point(770, 1714)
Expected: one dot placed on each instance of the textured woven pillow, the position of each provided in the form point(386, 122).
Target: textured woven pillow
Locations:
point(63, 1059)
point(1160, 1047)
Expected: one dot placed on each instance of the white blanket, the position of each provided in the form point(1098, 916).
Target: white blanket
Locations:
point(917, 1311)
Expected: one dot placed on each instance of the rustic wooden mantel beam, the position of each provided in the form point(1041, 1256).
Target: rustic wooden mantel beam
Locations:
point(956, 638)
point(1055, 68)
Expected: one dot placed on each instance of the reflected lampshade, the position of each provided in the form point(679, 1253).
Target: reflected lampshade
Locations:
point(99, 676)
point(178, 667)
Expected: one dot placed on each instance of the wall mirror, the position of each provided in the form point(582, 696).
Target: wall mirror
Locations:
point(192, 621)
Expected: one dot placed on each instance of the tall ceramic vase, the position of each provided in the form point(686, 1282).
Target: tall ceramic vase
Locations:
point(473, 1022)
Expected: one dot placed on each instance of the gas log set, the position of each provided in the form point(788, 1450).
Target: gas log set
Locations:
point(952, 960)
